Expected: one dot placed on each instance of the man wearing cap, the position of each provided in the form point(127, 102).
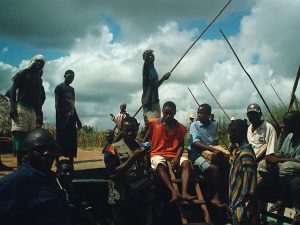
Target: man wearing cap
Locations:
point(66, 117)
point(150, 97)
point(29, 196)
point(26, 100)
point(261, 134)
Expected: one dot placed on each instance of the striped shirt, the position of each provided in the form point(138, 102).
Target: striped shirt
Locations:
point(242, 180)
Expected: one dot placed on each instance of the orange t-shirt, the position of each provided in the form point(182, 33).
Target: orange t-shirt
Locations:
point(166, 144)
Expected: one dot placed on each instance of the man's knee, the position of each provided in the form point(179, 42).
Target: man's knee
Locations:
point(186, 164)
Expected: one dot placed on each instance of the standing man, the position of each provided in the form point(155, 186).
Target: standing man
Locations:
point(119, 117)
point(29, 196)
point(150, 97)
point(261, 134)
point(26, 99)
point(202, 136)
point(66, 117)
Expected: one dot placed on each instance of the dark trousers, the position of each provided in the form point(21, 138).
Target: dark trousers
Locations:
point(295, 191)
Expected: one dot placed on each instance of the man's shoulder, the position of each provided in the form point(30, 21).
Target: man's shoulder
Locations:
point(269, 126)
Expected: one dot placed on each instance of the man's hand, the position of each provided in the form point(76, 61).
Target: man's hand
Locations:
point(271, 159)
point(175, 162)
point(13, 113)
point(79, 124)
point(166, 76)
point(139, 153)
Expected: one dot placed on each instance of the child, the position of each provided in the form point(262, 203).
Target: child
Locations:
point(242, 178)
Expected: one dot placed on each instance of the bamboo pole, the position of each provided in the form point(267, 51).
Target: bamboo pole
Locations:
point(275, 121)
point(277, 95)
point(206, 28)
point(216, 101)
point(293, 96)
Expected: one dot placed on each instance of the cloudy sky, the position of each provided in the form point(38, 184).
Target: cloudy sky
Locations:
point(103, 42)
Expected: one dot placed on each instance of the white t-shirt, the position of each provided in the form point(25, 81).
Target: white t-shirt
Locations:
point(263, 139)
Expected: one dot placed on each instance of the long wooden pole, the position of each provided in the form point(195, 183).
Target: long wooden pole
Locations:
point(216, 101)
point(206, 28)
point(277, 95)
point(293, 97)
point(277, 124)
point(193, 96)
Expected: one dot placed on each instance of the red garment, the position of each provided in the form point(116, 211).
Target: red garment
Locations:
point(166, 144)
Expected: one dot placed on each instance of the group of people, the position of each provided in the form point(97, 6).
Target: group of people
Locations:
point(257, 160)
point(256, 163)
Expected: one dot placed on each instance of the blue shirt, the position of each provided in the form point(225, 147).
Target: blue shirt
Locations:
point(204, 133)
point(30, 197)
point(287, 150)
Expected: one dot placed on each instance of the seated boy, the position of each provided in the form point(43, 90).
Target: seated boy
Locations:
point(202, 136)
point(167, 139)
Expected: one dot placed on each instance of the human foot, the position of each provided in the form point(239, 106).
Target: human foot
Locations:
point(188, 197)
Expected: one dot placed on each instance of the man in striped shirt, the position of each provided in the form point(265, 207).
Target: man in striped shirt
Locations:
point(242, 179)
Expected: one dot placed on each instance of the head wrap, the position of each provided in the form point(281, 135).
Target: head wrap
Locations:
point(36, 58)
point(146, 53)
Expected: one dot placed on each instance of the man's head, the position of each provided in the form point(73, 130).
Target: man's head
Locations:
point(169, 111)
point(254, 114)
point(148, 56)
point(203, 113)
point(41, 148)
point(212, 117)
point(129, 128)
point(123, 107)
point(237, 131)
point(291, 121)
point(109, 135)
point(69, 76)
point(37, 62)
point(65, 171)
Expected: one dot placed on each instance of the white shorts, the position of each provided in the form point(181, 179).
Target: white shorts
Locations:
point(25, 121)
point(157, 159)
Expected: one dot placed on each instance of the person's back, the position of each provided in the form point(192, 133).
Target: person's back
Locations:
point(242, 199)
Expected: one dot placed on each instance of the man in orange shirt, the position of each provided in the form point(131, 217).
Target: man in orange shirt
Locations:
point(167, 139)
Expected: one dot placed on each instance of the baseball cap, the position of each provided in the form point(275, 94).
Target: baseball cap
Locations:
point(254, 108)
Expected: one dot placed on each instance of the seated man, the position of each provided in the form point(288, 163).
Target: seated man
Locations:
point(261, 134)
point(242, 195)
point(202, 135)
point(29, 196)
point(126, 166)
point(285, 164)
point(167, 139)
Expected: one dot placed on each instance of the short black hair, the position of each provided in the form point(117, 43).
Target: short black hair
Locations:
point(206, 108)
point(170, 104)
point(130, 119)
point(238, 129)
point(293, 116)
